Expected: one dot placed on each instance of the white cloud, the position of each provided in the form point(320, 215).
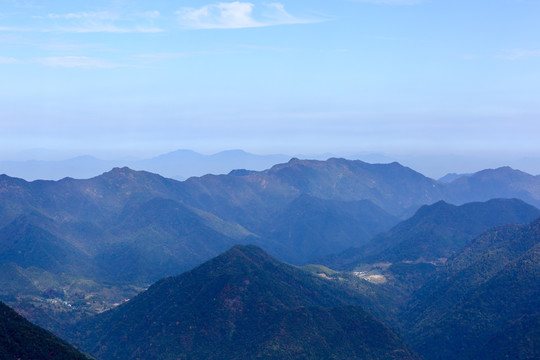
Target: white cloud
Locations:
point(236, 15)
point(82, 62)
point(219, 16)
point(277, 12)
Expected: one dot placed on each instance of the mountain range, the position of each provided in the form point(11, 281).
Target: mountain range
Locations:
point(47, 164)
point(179, 164)
point(71, 249)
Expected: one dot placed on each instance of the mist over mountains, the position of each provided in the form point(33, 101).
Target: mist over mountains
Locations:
point(43, 164)
point(179, 164)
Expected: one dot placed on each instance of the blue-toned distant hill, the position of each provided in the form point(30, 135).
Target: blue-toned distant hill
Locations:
point(503, 182)
point(179, 164)
point(310, 227)
point(26, 244)
point(451, 177)
point(435, 232)
point(242, 304)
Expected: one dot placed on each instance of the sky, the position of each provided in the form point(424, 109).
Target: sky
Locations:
point(424, 78)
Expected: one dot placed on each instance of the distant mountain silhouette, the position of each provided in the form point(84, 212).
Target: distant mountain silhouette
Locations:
point(242, 304)
point(503, 182)
point(484, 301)
point(179, 164)
point(451, 177)
point(20, 339)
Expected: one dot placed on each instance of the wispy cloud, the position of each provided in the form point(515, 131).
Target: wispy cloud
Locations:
point(103, 22)
point(237, 15)
point(27, 5)
point(150, 14)
point(158, 57)
point(101, 15)
point(14, 29)
point(82, 62)
point(105, 28)
point(8, 60)
point(517, 54)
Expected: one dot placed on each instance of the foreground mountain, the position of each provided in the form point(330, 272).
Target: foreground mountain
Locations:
point(21, 340)
point(484, 301)
point(243, 304)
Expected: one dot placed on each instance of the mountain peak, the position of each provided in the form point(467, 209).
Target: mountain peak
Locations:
point(125, 173)
point(243, 304)
point(240, 259)
point(121, 170)
point(251, 252)
point(505, 172)
point(117, 173)
point(294, 160)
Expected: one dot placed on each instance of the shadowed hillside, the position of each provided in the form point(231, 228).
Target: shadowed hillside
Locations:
point(21, 340)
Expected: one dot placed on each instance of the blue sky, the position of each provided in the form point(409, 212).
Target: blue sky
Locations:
point(386, 76)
